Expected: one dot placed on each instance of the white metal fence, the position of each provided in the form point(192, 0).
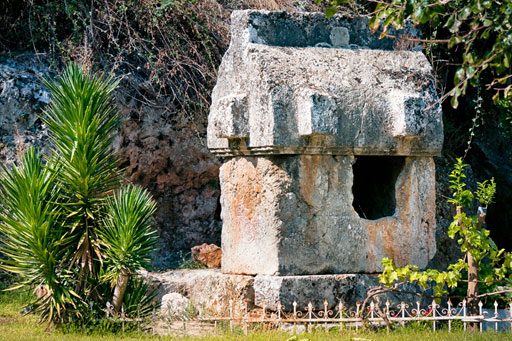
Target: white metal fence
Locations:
point(341, 316)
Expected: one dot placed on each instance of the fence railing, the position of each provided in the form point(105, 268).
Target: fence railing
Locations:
point(340, 316)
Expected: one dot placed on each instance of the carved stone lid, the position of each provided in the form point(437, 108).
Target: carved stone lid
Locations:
point(298, 83)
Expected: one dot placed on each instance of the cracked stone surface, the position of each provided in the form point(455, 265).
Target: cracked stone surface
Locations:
point(293, 215)
point(277, 91)
point(298, 101)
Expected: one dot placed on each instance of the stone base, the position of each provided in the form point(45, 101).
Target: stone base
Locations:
point(347, 289)
point(204, 287)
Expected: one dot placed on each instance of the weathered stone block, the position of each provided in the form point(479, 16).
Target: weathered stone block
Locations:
point(201, 289)
point(207, 254)
point(208, 288)
point(314, 75)
point(331, 167)
point(317, 113)
point(295, 215)
point(348, 289)
point(234, 124)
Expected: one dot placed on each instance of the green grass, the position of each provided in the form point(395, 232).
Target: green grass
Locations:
point(15, 326)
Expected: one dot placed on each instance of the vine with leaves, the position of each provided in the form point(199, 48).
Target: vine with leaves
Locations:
point(483, 264)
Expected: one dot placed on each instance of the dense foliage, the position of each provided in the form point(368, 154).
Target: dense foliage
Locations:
point(66, 229)
point(483, 265)
point(170, 48)
point(473, 36)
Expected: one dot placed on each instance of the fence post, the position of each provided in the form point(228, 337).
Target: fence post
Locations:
point(418, 312)
point(310, 315)
point(279, 307)
point(434, 305)
point(325, 314)
point(480, 305)
point(402, 308)
point(387, 315)
point(341, 314)
point(495, 316)
point(295, 317)
point(449, 315)
point(358, 305)
point(464, 313)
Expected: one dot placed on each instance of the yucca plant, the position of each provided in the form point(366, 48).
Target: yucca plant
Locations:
point(62, 228)
point(82, 120)
point(127, 238)
point(140, 299)
point(33, 234)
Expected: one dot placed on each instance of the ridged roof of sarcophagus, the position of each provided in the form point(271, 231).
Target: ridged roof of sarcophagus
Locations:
point(299, 83)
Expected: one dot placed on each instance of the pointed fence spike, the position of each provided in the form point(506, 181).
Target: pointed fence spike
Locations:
point(495, 316)
point(480, 305)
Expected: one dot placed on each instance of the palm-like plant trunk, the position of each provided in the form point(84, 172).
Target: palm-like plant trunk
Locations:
point(120, 289)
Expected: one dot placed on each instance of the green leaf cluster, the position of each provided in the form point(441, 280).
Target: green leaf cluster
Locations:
point(471, 23)
point(69, 227)
point(126, 235)
point(494, 264)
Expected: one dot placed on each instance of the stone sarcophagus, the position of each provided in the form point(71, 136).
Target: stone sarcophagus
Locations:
point(328, 135)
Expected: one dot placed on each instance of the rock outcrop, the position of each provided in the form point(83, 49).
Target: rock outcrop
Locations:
point(22, 98)
point(166, 154)
point(209, 255)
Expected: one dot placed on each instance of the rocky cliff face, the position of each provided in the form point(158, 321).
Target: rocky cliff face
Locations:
point(166, 153)
point(22, 97)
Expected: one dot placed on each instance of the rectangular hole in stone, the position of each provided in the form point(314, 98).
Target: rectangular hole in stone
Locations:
point(374, 185)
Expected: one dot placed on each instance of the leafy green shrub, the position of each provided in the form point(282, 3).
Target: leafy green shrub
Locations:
point(483, 265)
point(66, 227)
